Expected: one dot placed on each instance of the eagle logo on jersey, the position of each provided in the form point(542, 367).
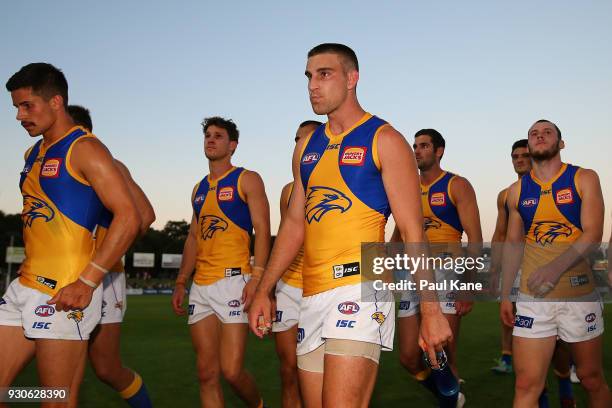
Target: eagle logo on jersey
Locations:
point(209, 224)
point(545, 232)
point(379, 317)
point(321, 200)
point(34, 208)
point(431, 223)
point(76, 315)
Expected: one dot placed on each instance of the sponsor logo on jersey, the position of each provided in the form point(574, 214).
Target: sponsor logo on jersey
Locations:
point(234, 303)
point(546, 232)
point(437, 199)
point(346, 323)
point(353, 156)
point(44, 311)
point(229, 272)
point(35, 208)
point(344, 270)
point(529, 202)
point(51, 168)
point(226, 194)
point(564, 196)
point(348, 308)
point(210, 224)
point(379, 317)
point(310, 158)
point(321, 200)
point(50, 283)
point(525, 322)
point(579, 280)
point(590, 318)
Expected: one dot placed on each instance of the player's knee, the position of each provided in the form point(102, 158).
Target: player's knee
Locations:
point(591, 379)
point(526, 383)
point(288, 370)
point(208, 374)
point(411, 362)
point(232, 374)
point(105, 370)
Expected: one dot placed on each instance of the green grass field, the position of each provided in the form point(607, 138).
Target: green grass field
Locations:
point(157, 345)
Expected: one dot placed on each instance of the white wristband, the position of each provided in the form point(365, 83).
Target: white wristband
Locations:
point(88, 282)
point(98, 267)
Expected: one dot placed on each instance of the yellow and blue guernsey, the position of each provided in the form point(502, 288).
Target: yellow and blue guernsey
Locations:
point(551, 218)
point(60, 212)
point(101, 231)
point(224, 228)
point(346, 203)
point(293, 275)
point(440, 217)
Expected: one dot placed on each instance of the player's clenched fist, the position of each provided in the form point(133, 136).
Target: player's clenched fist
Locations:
point(178, 296)
point(260, 314)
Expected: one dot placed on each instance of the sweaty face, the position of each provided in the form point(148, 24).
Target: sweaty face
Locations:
point(328, 83)
point(424, 152)
point(34, 112)
point(217, 144)
point(544, 142)
point(521, 160)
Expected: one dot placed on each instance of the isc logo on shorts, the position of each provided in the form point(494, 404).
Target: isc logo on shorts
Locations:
point(346, 323)
point(51, 168)
point(41, 325)
point(348, 308)
point(310, 158)
point(44, 311)
point(523, 321)
point(341, 271)
point(353, 156)
point(234, 313)
point(564, 196)
point(529, 202)
point(437, 199)
point(226, 194)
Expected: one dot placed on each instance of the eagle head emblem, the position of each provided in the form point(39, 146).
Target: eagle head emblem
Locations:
point(34, 208)
point(321, 200)
point(209, 224)
point(430, 223)
point(545, 232)
point(76, 315)
point(379, 317)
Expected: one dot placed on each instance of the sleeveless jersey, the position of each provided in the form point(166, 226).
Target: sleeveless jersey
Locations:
point(551, 218)
point(60, 212)
point(346, 203)
point(224, 228)
point(293, 275)
point(101, 231)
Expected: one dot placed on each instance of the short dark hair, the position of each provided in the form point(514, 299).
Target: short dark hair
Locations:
point(519, 143)
point(80, 115)
point(436, 138)
point(552, 123)
point(347, 54)
point(227, 124)
point(309, 123)
point(44, 79)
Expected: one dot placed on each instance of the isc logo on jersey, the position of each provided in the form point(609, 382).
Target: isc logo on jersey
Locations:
point(564, 196)
point(51, 168)
point(353, 156)
point(349, 269)
point(310, 158)
point(226, 194)
point(348, 308)
point(437, 199)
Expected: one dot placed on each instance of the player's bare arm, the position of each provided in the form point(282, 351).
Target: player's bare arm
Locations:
point(592, 219)
point(288, 242)
point(188, 262)
point(469, 216)
point(499, 236)
point(93, 163)
point(401, 181)
point(255, 195)
point(145, 209)
point(512, 254)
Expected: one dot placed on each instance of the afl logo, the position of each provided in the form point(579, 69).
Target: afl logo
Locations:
point(310, 158)
point(50, 169)
point(44, 311)
point(226, 194)
point(234, 303)
point(199, 199)
point(529, 202)
point(348, 308)
point(353, 156)
point(438, 199)
point(590, 318)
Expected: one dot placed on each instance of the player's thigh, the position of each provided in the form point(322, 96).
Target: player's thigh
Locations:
point(232, 346)
point(531, 357)
point(205, 338)
point(104, 344)
point(16, 351)
point(337, 391)
point(59, 361)
point(286, 345)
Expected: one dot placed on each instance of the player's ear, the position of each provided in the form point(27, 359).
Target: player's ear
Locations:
point(56, 102)
point(233, 145)
point(353, 78)
point(561, 144)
